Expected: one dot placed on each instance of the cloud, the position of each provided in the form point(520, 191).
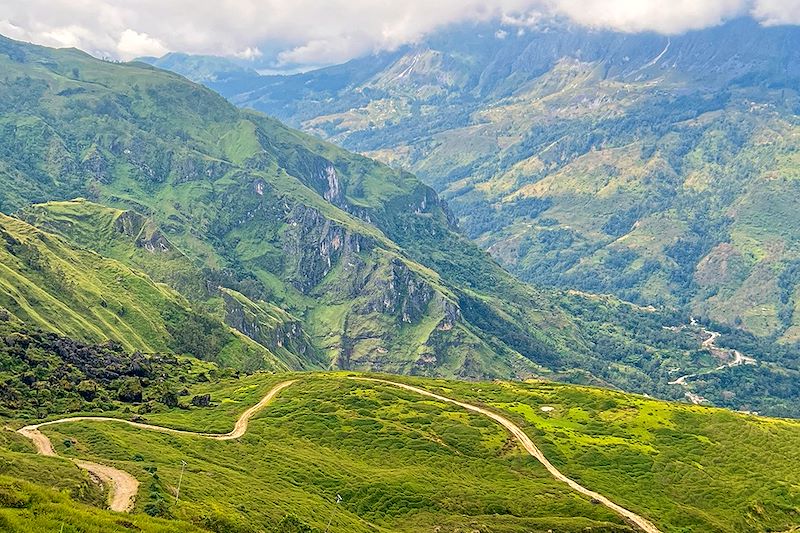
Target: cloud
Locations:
point(317, 32)
point(135, 44)
point(777, 12)
point(673, 16)
point(249, 53)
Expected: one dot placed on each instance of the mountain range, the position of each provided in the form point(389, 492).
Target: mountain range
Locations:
point(659, 169)
point(319, 256)
point(212, 322)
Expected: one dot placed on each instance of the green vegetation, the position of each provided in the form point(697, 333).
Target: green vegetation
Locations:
point(30, 508)
point(317, 256)
point(663, 171)
point(48, 283)
point(43, 373)
point(689, 468)
point(402, 462)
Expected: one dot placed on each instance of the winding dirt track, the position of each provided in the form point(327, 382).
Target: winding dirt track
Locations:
point(530, 447)
point(123, 486)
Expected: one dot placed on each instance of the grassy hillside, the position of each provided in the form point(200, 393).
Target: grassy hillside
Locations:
point(46, 282)
point(281, 217)
point(686, 468)
point(324, 437)
point(134, 239)
point(358, 263)
point(29, 508)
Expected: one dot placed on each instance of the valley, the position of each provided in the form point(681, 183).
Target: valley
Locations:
point(302, 255)
point(641, 165)
point(510, 274)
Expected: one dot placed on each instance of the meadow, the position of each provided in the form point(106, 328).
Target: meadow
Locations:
point(399, 462)
point(402, 462)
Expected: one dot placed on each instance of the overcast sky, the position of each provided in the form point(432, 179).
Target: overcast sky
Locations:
point(315, 32)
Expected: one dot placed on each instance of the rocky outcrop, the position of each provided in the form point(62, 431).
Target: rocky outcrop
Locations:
point(145, 234)
point(332, 191)
point(267, 325)
point(313, 244)
point(452, 314)
point(399, 292)
point(95, 165)
point(193, 167)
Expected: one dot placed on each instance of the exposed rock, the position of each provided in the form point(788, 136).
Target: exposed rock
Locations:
point(193, 167)
point(96, 165)
point(143, 231)
point(270, 327)
point(313, 244)
point(401, 293)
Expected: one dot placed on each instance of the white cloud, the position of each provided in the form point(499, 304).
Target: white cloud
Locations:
point(326, 31)
point(672, 16)
point(776, 12)
point(249, 53)
point(135, 44)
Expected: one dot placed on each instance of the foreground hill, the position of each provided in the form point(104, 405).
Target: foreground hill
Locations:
point(661, 169)
point(684, 468)
point(301, 246)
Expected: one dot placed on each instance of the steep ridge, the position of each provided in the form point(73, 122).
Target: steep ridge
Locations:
point(48, 283)
point(363, 258)
point(136, 240)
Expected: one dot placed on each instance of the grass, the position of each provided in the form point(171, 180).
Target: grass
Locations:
point(689, 468)
point(403, 462)
point(400, 462)
point(49, 283)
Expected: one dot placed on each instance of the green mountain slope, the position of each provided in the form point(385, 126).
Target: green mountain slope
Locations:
point(660, 169)
point(135, 240)
point(45, 282)
point(365, 260)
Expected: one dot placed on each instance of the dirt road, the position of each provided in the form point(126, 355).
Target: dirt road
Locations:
point(123, 486)
point(640, 522)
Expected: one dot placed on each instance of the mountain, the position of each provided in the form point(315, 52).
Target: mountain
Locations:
point(148, 222)
point(202, 69)
point(320, 256)
point(660, 169)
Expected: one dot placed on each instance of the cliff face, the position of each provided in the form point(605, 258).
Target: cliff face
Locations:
point(313, 245)
point(381, 310)
point(272, 327)
point(142, 231)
